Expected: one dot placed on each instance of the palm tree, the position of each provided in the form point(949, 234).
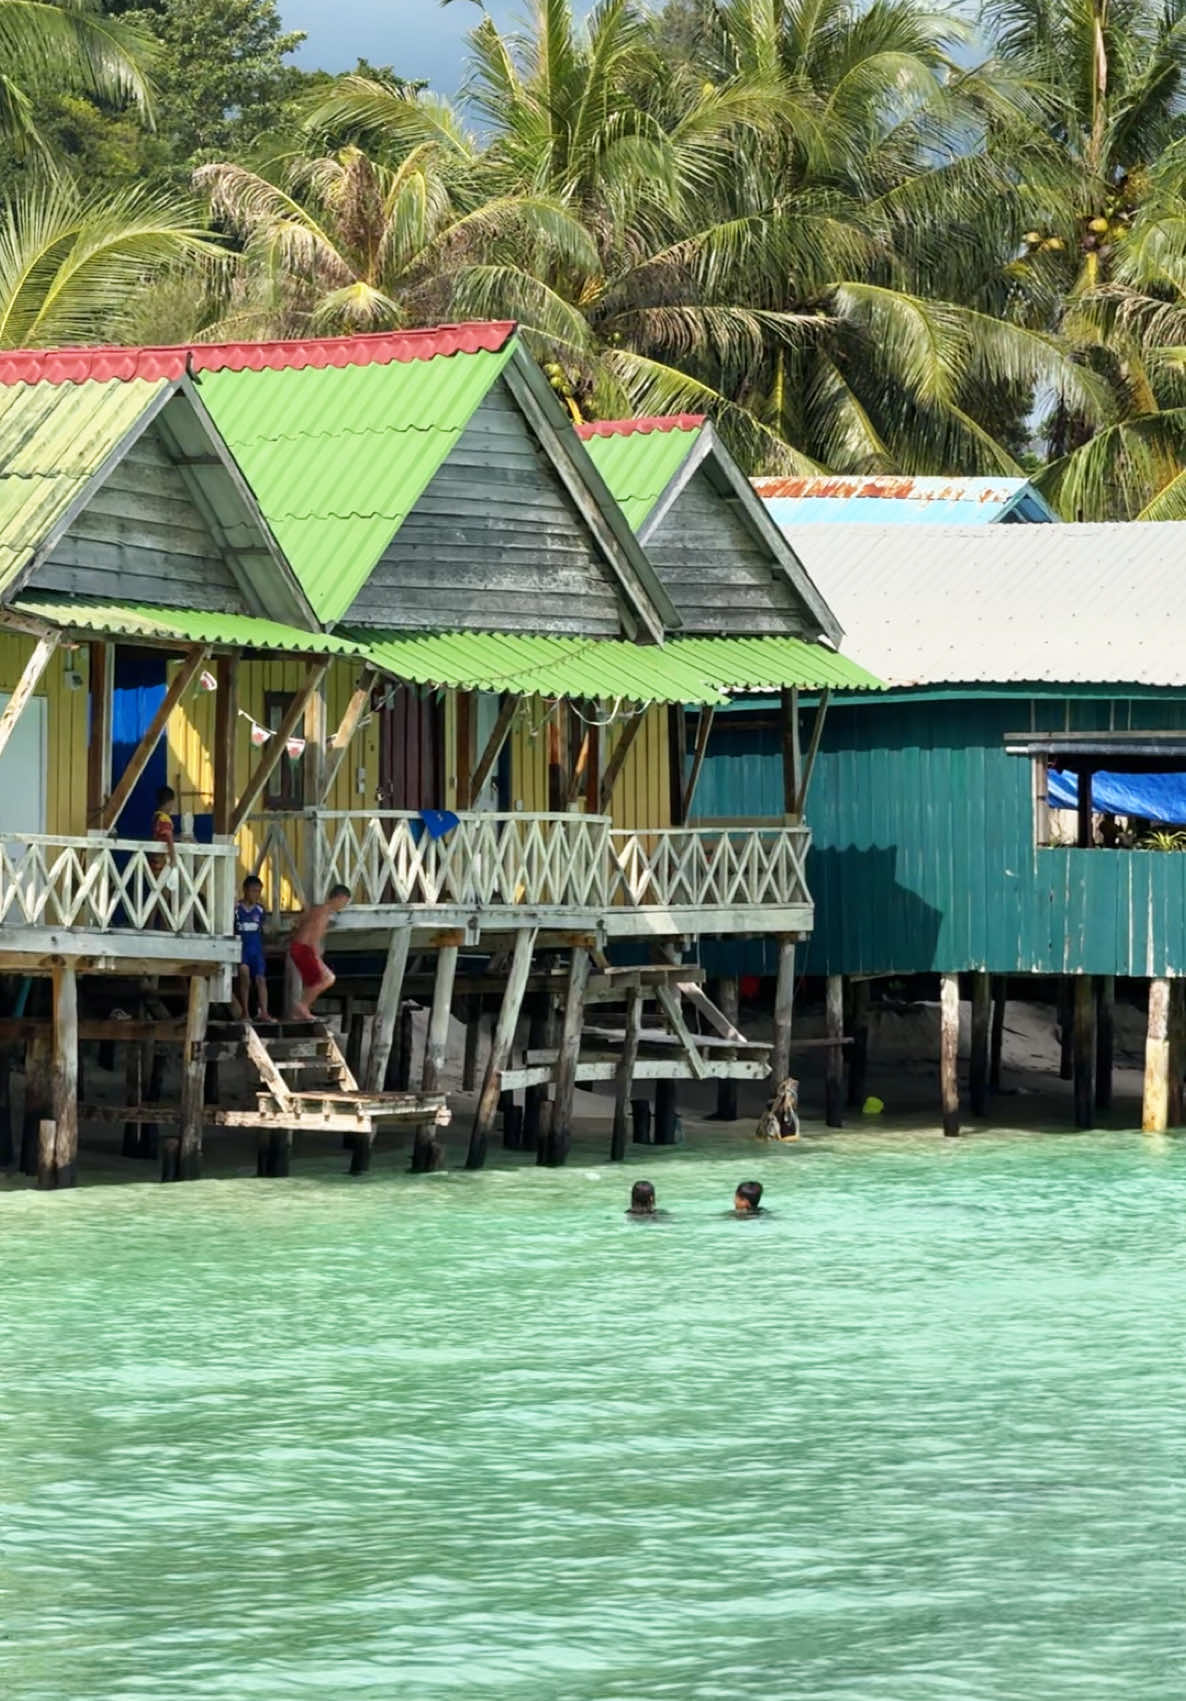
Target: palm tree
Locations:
point(69, 263)
point(71, 44)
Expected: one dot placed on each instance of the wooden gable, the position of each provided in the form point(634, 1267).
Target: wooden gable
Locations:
point(495, 543)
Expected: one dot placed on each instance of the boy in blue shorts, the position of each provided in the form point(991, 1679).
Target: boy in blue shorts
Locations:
point(249, 925)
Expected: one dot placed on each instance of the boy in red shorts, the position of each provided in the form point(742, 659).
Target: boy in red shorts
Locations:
point(305, 951)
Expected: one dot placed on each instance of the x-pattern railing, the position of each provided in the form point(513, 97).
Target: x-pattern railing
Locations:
point(713, 867)
point(99, 883)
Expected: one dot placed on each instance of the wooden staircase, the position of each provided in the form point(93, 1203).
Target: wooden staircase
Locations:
point(306, 1085)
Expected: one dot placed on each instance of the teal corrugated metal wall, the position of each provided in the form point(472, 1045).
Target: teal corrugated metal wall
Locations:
point(924, 854)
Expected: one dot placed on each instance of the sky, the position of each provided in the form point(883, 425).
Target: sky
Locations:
point(417, 38)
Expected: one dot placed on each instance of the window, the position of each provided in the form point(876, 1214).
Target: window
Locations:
point(1107, 790)
point(286, 788)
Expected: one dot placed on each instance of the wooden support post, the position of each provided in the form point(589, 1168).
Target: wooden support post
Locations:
point(65, 1076)
point(1066, 1028)
point(666, 1113)
point(339, 744)
point(273, 750)
point(858, 1051)
point(473, 1041)
point(193, 1080)
point(98, 756)
point(1177, 1038)
point(949, 1043)
point(355, 1023)
point(817, 733)
point(729, 999)
point(834, 1065)
point(540, 1026)
point(703, 734)
point(559, 1138)
point(427, 1152)
point(791, 761)
point(1084, 1051)
point(226, 721)
point(313, 759)
point(133, 1095)
point(1105, 1000)
point(398, 1075)
point(494, 744)
point(7, 1142)
point(1083, 809)
point(978, 1067)
point(624, 1074)
point(500, 1046)
point(189, 670)
point(154, 1074)
point(47, 1158)
point(784, 1009)
point(26, 685)
point(38, 1100)
point(617, 760)
point(387, 1010)
point(1155, 1105)
point(1000, 991)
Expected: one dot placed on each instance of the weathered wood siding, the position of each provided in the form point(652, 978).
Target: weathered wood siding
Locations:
point(717, 571)
point(141, 538)
point(495, 544)
point(925, 855)
point(66, 730)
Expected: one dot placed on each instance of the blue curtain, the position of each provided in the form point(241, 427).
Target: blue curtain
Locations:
point(137, 693)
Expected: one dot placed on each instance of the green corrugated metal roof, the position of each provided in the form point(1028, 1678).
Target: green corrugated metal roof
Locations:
point(767, 664)
point(190, 626)
point(339, 456)
point(639, 465)
point(544, 666)
point(53, 438)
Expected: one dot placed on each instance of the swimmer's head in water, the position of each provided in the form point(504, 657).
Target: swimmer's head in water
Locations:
point(642, 1196)
point(748, 1196)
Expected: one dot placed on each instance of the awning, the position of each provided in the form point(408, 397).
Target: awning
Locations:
point(180, 625)
point(771, 663)
point(1147, 752)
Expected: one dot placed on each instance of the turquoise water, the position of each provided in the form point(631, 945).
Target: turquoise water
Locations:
point(918, 1435)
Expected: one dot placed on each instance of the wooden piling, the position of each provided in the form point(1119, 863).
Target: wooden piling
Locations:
point(996, 1039)
point(47, 1157)
point(784, 1008)
point(1155, 1104)
point(427, 1152)
point(7, 1137)
point(558, 1140)
point(355, 1027)
point(858, 1051)
point(133, 1095)
point(500, 1047)
point(153, 1066)
point(65, 1076)
point(949, 1041)
point(193, 1078)
point(473, 1042)
point(729, 1003)
point(1084, 1051)
point(541, 1036)
point(666, 1116)
point(624, 1075)
point(1105, 1000)
point(387, 1010)
point(37, 1100)
point(1066, 1028)
point(834, 1065)
point(1177, 1039)
point(978, 1062)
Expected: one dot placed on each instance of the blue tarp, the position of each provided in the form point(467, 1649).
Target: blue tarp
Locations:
point(1155, 797)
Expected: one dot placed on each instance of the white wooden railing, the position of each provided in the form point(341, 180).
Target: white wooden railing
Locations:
point(51, 881)
point(491, 861)
point(720, 868)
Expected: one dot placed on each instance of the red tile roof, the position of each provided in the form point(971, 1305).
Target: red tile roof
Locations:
point(77, 365)
point(627, 427)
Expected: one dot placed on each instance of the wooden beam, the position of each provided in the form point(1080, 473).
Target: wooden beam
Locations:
point(703, 733)
point(193, 1079)
point(978, 1064)
point(226, 720)
point(500, 1046)
point(617, 761)
point(817, 733)
point(273, 750)
point(1155, 1101)
point(30, 679)
point(339, 744)
point(949, 1039)
point(788, 709)
point(784, 1006)
point(1084, 1049)
point(1085, 836)
point(387, 1010)
point(578, 783)
point(195, 661)
point(834, 1063)
point(1000, 992)
point(624, 1075)
point(559, 1138)
point(98, 755)
point(670, 1004)
point(494, 744)
point(65, 1078)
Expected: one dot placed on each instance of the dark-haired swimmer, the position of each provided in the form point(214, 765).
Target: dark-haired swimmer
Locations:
point(642, 1201)
point(747, 1201)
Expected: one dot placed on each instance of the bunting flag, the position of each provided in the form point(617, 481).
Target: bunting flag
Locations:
point(207, 680)
point(259, 734)
point(295, 747)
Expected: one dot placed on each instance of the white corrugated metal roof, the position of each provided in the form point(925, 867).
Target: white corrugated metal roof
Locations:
point(1091, 604)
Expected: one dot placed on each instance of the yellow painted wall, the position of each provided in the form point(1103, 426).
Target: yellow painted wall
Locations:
point(66, 728)
point(642, 795)
point(529, 758)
